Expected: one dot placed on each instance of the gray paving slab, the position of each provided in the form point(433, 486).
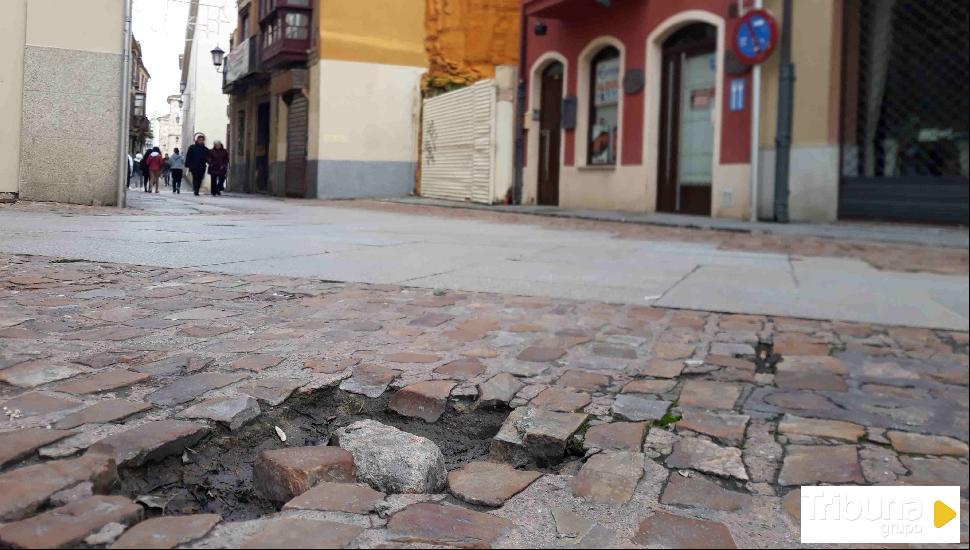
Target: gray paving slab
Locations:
point(956, 237)
point(260, 235)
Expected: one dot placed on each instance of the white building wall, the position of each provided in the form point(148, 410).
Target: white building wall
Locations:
point(366, 141)
point(204, 105)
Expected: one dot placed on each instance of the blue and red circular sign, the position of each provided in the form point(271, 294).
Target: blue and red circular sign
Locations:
point(755, 36)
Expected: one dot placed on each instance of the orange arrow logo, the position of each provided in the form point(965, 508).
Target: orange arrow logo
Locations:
point(942, 514)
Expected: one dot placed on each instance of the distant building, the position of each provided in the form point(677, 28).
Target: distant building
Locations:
point(139, 126)
point(203, 103)
point(326, 94)
point(167, 128)
point(325, 97)
point(62, 134)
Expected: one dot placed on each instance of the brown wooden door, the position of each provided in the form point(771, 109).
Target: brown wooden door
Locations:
point(296, 146)
point(550, 116)
point(261, 150)
point(686, 133)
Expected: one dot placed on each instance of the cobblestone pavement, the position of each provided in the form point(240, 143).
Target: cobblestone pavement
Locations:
point(149, 407)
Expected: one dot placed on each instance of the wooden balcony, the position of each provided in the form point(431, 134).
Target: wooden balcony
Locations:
point(285, 34)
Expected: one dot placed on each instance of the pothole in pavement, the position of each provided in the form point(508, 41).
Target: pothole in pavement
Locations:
point(216, 476)
point(765, 358)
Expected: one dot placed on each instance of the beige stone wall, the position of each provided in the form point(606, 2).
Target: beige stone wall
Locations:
point(816, 53)
point(12, 26)
point(72, 100)
point(92, 25)
point(816, 46)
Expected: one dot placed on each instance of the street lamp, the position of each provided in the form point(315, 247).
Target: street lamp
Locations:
point(217, 57)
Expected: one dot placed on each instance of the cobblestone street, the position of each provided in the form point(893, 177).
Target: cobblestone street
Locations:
point(163, 407)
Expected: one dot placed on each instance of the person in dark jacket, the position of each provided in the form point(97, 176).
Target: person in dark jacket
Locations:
point(195, 161)
point(218, 160)
point(145, 174)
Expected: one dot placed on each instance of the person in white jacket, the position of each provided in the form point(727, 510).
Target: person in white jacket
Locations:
point(136, 170)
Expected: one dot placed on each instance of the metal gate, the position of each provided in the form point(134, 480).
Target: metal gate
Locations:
point(905, 111)
point(296, 145)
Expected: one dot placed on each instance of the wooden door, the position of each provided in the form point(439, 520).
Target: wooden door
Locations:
point(296, 145)
point(550, 116)
point(687, 110)
point(261, 149)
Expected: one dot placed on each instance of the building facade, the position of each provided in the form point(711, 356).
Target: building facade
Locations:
point(139, 127)
point(55, 114)
point(326, 97)
point(167, 128)
point(204, 107)
point(638, 105)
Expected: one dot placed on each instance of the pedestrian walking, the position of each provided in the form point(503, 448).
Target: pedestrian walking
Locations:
point(167, 170)
point(218, 160)
point(155, 163)
point(195, 161)
point(136, 169)
point(144, 169)
point(131, 163)
point(178, 165)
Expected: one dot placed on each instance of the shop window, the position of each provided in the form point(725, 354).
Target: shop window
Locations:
point(604, 109)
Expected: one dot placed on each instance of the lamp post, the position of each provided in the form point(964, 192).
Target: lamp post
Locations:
point(217, 57)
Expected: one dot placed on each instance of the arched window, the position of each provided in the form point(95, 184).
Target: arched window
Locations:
point(604, 99)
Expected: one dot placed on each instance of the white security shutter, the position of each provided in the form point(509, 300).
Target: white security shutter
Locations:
point(458, 144)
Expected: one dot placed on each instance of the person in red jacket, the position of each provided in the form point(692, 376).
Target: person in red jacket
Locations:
point(155, 164)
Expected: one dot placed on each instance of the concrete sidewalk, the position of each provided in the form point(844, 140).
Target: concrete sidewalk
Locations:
point(952, 237)
point(258, 235)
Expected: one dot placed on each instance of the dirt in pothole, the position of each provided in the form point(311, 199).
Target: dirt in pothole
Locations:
point(216, 475)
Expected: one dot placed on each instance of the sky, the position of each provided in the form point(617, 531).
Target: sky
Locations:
point(160, 27)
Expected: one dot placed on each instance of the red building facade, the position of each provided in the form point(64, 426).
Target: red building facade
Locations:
point(649, 117)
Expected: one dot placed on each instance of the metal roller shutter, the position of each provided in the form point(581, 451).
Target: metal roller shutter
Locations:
point(296, 146)
point(458, 144)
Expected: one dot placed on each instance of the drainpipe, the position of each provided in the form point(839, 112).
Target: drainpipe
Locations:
point(121, 195)
point(755, 131)
point(786, 93)
point(520, 111)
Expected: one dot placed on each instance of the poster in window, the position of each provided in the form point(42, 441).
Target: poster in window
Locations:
point(606, 95)
point(607, 88)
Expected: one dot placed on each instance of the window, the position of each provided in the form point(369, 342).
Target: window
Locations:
point(244, 26)
point(604, 100)
point(297, 26)
point(271, 34)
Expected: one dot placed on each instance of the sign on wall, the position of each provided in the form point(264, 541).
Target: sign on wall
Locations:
point(755, 36)
point(736, 102)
